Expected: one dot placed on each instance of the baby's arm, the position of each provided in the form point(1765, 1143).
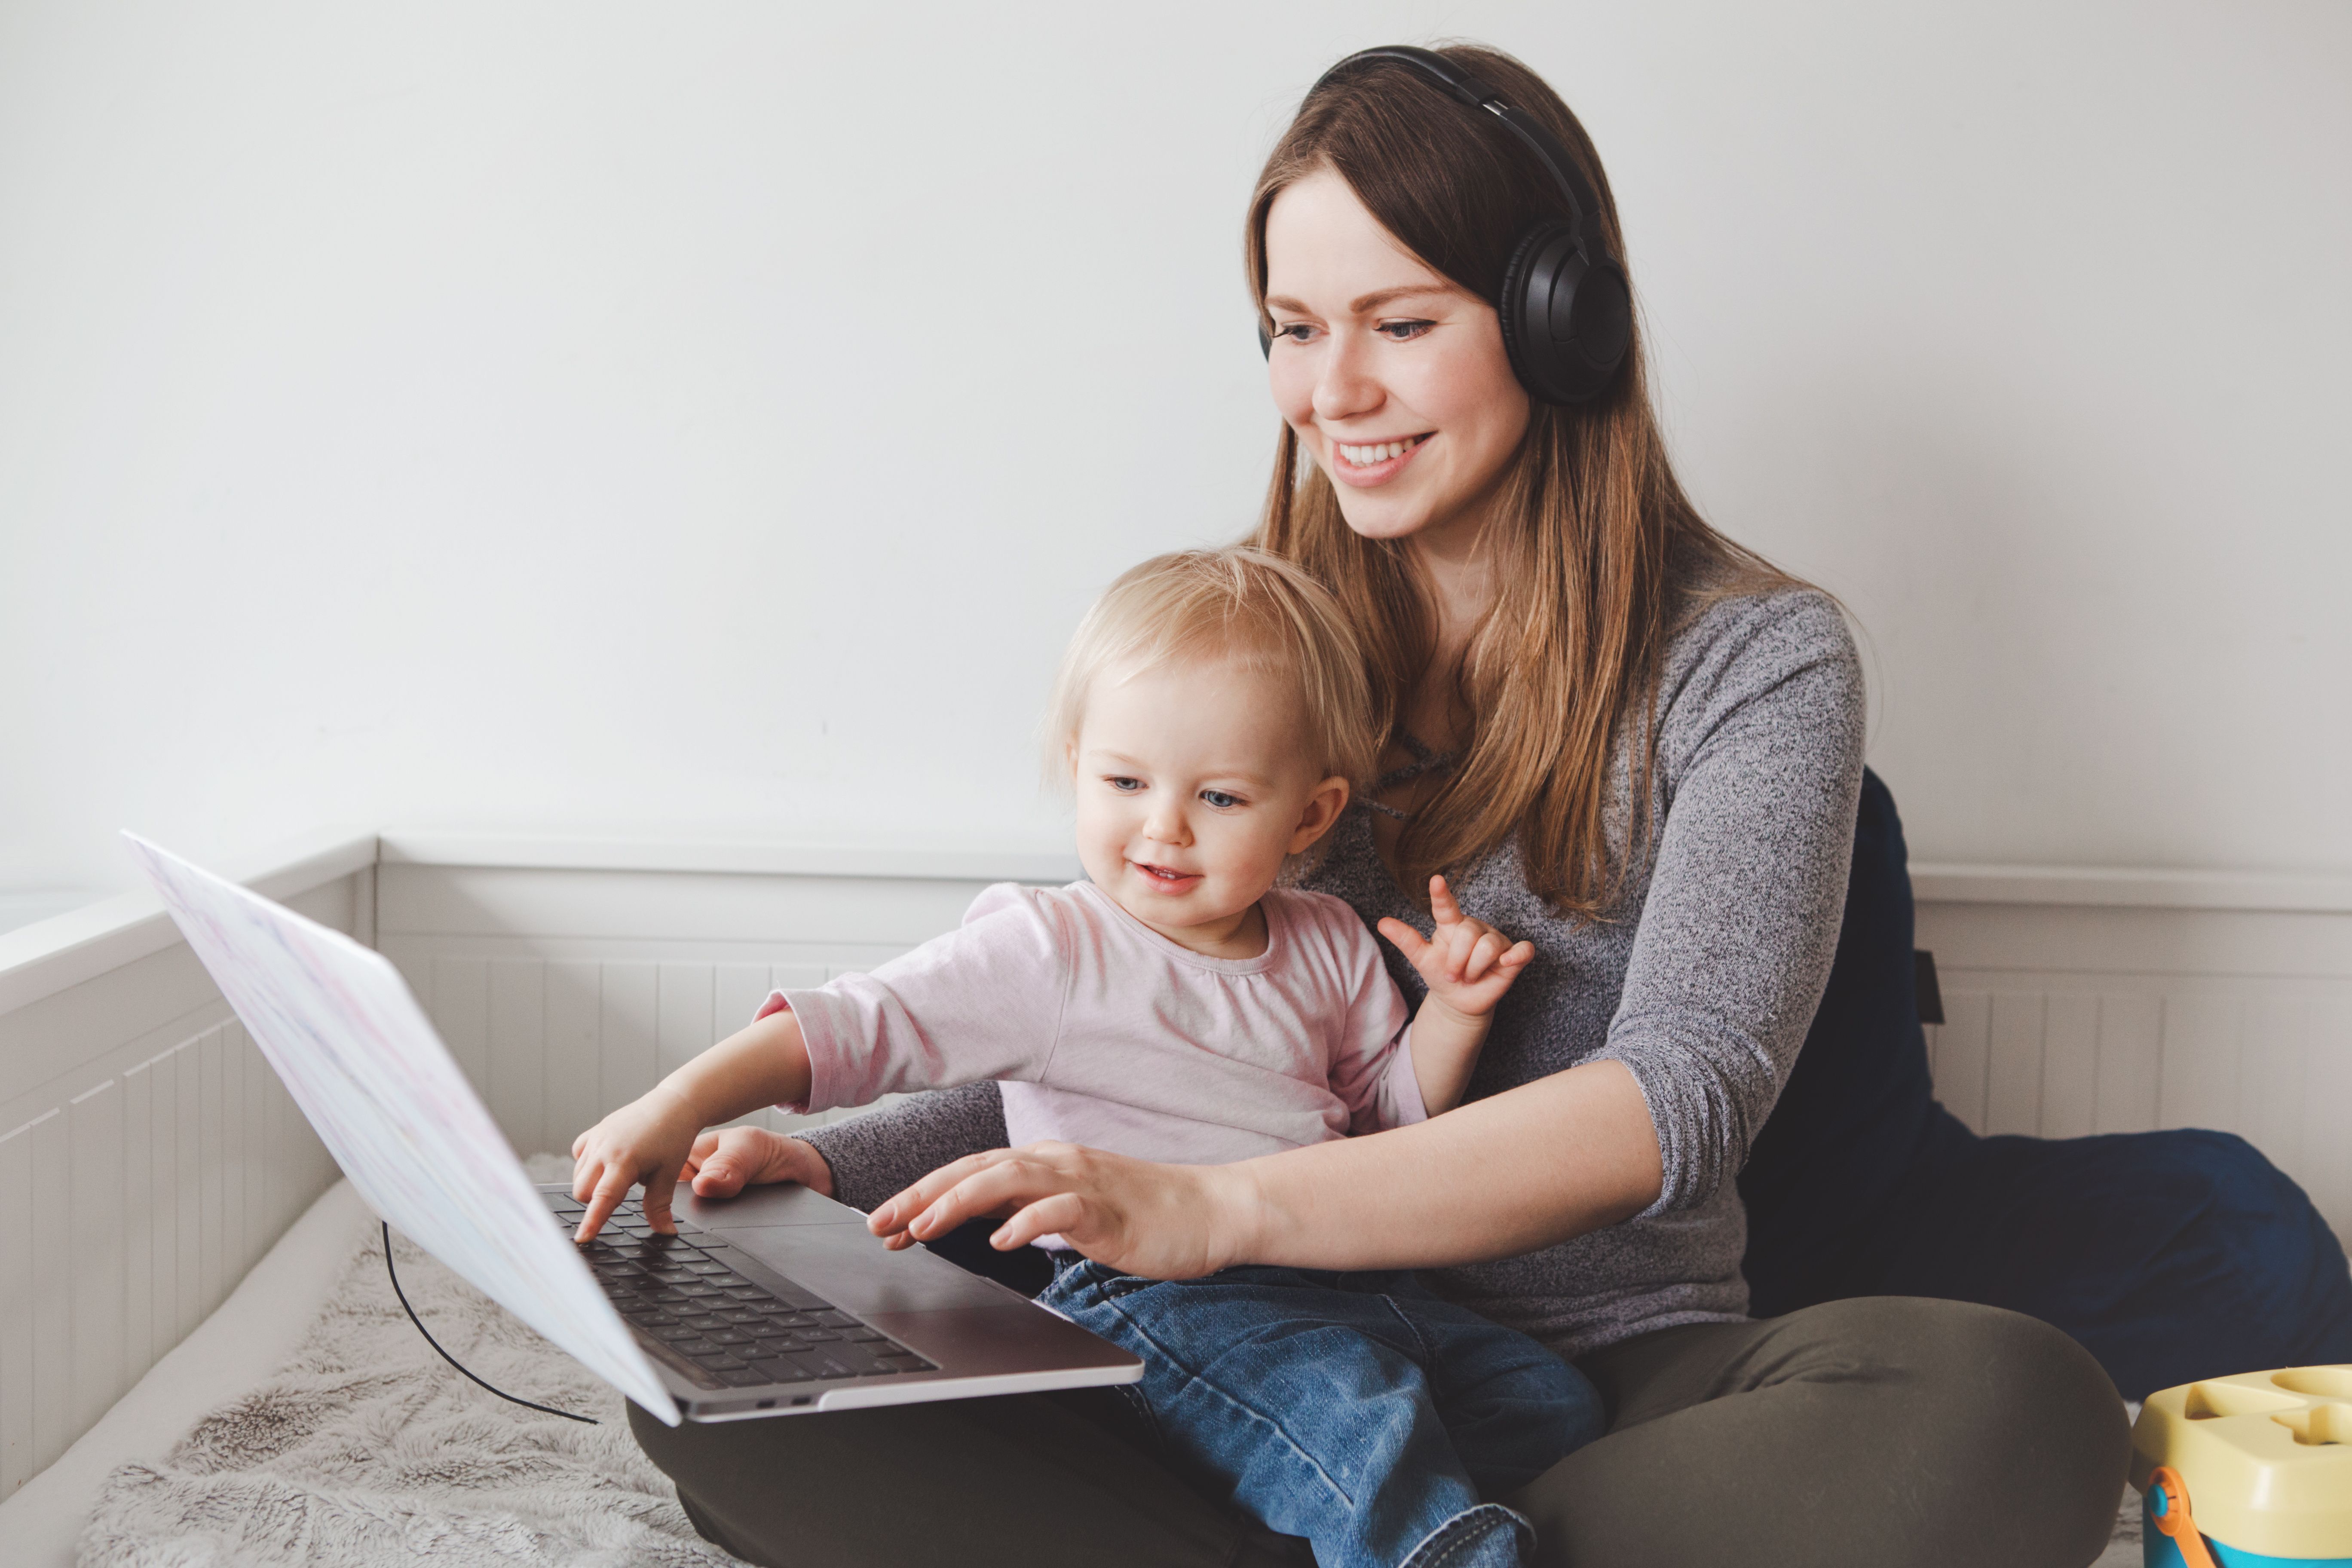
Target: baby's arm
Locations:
point(1468, 964)
point(649, 1139)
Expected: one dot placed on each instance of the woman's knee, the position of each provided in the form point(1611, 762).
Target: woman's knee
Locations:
point(2018, 1418)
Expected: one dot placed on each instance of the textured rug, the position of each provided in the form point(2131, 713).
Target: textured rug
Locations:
point(369, 1450)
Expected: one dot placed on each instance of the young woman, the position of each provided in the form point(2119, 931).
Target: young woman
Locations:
point(1624, 739)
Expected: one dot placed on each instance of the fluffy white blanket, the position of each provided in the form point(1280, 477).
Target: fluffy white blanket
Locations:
point(369, 1450)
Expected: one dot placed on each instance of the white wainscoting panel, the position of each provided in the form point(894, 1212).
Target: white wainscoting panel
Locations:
point(2062, 1021)
point(565, 992)
point(148, 1157)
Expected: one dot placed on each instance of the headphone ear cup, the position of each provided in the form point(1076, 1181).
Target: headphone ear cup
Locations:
point(1566, 326)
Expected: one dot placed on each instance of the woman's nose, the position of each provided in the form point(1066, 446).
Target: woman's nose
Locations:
point(1347, 388)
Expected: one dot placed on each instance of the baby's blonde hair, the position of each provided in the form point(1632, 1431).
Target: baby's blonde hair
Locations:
point(1237, 607)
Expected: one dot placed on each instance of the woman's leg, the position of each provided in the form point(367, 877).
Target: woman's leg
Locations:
point(1880, 1432)
point(1027, 1479)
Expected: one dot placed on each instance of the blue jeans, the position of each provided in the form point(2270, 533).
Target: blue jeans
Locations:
point(1358, 1410)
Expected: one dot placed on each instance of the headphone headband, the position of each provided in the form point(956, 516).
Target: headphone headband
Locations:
point(1584, 203)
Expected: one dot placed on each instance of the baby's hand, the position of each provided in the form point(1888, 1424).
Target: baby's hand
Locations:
point(647, 1140)
point(1468, 964)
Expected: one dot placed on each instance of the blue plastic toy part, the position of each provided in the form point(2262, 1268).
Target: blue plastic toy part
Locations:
point(2159, 1550)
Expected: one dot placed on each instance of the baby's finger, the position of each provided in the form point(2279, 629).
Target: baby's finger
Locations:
point(612, 1186)
point(1408, 941)
point(1483, 954)
point(1461, 947)
point(660, 1184)
point(1520, 955)
point(1441, 903)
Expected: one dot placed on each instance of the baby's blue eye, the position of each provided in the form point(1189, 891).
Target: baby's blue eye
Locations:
point(1220, 799)
point(1126, 786)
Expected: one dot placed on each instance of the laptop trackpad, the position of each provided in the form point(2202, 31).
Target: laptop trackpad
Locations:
point(849, 1266)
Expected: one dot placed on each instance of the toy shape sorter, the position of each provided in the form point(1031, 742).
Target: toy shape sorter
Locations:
point(2248, 1470)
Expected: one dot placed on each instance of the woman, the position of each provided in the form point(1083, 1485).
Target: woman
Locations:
point(1631, 742)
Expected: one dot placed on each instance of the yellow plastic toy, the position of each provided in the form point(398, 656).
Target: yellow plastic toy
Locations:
point(2248, 1471)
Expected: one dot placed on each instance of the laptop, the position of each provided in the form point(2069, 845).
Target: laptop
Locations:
point(776, 1302)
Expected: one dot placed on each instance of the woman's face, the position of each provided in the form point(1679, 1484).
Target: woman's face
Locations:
point(1395, 379)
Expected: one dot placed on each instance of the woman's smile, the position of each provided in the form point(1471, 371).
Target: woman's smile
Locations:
point(1364, 464)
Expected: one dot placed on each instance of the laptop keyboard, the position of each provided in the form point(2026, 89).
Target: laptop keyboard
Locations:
point(683, 1291)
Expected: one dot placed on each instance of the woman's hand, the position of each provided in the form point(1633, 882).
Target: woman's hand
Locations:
point(726, 1161)
point(1162, 1222)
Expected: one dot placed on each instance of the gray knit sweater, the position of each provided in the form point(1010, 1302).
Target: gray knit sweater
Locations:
point(1702, 980)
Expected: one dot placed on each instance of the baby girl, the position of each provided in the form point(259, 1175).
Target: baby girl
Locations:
point(1181, 1006)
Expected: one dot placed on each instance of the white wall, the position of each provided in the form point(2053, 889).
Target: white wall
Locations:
point(710, 419)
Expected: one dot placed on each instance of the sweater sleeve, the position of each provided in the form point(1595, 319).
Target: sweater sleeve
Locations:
point(884, 1151)
point(983, 1002)
point(1760, 741)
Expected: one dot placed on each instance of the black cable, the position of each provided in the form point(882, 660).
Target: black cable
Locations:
point(453, 1361)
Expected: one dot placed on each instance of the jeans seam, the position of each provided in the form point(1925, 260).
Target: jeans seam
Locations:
point(1428, 1357)
point(1194, 1375)
point(1444, 1543)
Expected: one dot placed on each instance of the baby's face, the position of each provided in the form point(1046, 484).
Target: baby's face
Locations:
point(1192, 786)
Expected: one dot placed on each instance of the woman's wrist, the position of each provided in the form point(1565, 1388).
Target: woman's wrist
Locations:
point(1241, 1227)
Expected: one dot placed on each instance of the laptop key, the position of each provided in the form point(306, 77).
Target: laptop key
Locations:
point(777, 1369)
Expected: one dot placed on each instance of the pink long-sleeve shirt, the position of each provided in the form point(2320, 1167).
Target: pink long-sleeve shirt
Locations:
point(1104, 1033)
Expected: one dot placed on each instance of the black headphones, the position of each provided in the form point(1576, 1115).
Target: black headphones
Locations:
point(1568, 318)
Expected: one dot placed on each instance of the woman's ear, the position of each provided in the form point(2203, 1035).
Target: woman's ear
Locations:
point(1323, 809)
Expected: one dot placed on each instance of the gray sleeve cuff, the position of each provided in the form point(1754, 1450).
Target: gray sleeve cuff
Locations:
point(881, 1153)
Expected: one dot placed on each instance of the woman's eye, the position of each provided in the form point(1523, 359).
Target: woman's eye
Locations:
point(1220, 799)
point(1403, 332)
point(1294, 332)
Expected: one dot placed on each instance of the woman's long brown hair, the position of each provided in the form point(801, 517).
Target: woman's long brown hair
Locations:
point(1595, 549)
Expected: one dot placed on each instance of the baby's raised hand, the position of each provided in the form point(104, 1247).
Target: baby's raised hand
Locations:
point(1467, 964)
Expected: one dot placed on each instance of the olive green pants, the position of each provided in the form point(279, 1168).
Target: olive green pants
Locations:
point(1877, 1433)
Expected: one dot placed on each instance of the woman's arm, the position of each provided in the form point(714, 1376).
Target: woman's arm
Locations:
point(1578, 1148)
point(1760, 746)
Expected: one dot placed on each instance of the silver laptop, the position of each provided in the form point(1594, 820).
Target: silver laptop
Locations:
point(775, 1302)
